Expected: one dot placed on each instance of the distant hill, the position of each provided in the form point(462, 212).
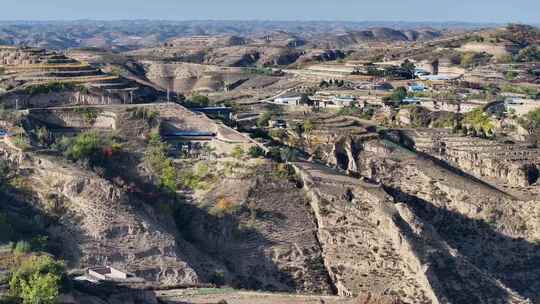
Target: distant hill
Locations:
point(134, 34)
point(380, 34)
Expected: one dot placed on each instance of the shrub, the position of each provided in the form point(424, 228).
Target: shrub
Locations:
point(471, 59)
point(38, 280)
point(201, 169)
point(398, 94)
point(21, 141)
point(279, 134)
point(308, 126)
point(156, 154)
point(237, 152)
point(51, 87)
point(4, 170)
point(150, 117)
point(198, 101)
point(43, 135)
point(40, 289)
point(217, 278)
point(264, 119)
point(89, 114)
point(530, 53)
point(480, 121)
point(168, 179)
point(256, 152)
point(223, 207)
point(22, 247)
point(86, 146)
point(190, 180)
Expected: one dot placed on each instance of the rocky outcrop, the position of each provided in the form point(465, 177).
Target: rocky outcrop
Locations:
point(472, 232)
point(364, 248)
point(517, 165)
point(99, 224)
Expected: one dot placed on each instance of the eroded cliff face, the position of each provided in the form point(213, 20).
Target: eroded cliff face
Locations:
point(461, 238)
point(364, 248)
point(269, 242)
point(99, 223)
point(481, 243)
point(515, 165)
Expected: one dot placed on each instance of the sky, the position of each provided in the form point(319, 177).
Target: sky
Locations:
point(499, 11)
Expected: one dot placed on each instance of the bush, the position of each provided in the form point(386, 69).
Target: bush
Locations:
point(22, 247)
point(40, 289)
point(84, 146)
point(160, 165)
point(398, 94)
point(156, 154)
point(150, 117)
point(256, 152)
point(530, 53)
point(480, 121)
point(38, 280)
point(217, 278)
point(51, 87)
point(168, 179)
point(237, 152)
point(191, 180)
point(264, 119)
point(89, 114)
point(201, 169)
point(222, 208)
point(279, 134)
point(43, 135)
point(198, 101)
point(472, 59)
point(22, 142)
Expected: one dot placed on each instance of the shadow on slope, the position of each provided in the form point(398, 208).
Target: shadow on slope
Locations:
point(482, 251)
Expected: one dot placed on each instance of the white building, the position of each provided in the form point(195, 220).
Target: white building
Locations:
point(294, 101)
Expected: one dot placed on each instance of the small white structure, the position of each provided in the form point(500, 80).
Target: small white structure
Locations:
point(344, 101)
point(288, 100)
point(107, 273)
point(435, 77)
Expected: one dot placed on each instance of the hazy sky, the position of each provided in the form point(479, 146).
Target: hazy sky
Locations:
point(353, 10)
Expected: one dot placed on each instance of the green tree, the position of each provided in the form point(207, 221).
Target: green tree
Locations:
point(156, 154)
point(479, 121)
point(398, 94)
point(409, 68)
point(40, 289)
point(160, 165)
point(256, 152)
point(169, 177)
point(264, 119)
point(38, 280)
point(530, 53)
point(87, 146)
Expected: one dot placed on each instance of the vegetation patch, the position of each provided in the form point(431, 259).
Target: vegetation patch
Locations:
point(38, 280)
point(51, 87)
point(479, 122)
